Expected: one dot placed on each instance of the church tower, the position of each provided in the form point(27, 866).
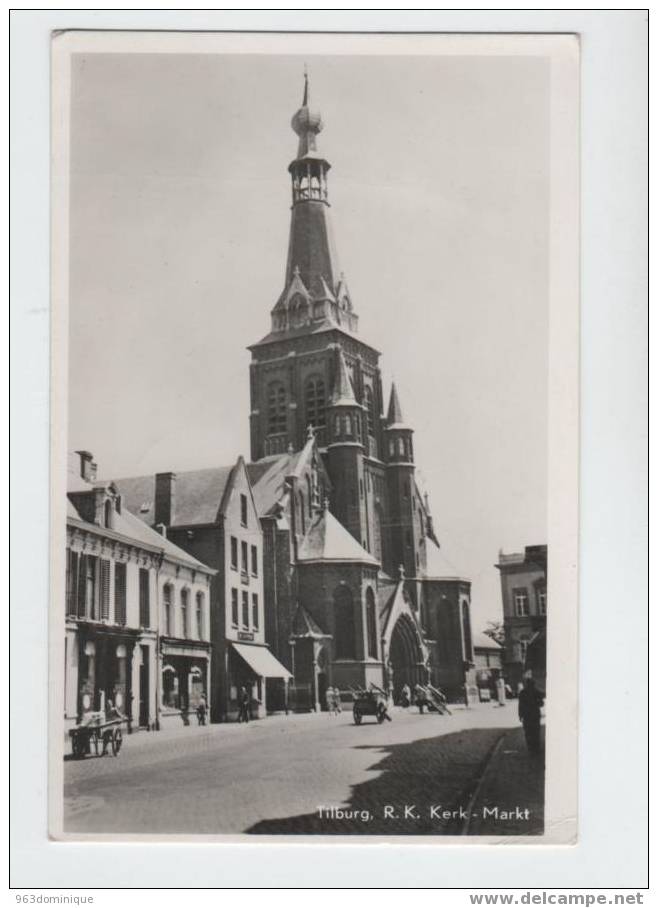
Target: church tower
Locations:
point(402, 494)
point(313, 349)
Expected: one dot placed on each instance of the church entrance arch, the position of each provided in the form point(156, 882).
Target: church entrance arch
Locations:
point(405, 656)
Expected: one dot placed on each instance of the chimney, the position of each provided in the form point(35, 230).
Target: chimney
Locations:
point(165, 498)
point(87, 466)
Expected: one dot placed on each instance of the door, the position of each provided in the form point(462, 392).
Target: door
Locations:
point(144, 687)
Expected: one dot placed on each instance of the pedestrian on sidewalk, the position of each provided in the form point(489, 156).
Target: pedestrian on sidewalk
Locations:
point(329, 698)
point(500, 691)
point(243, 715)
point(531, 701)
point(337, 704)
point(420, 697)
point(405, 696)
point(201, 710)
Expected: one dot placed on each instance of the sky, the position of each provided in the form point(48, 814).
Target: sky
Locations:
point(179, 217)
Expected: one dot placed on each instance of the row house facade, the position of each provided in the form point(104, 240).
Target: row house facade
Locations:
point(137, 611)
point(211, 514)
point(523, 578)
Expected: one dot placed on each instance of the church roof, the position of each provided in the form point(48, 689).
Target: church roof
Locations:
point(328, 540)
point(483, 641)
point(395, 419)
point(438, 567)
point(198, 495)
point(304, 625)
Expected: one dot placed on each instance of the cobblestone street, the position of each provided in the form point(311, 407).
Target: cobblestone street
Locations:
point(415, 775)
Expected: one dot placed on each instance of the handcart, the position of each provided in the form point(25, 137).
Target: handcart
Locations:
point(98, 732)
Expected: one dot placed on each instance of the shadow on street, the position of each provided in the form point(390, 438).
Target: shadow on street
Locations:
point(441, 772)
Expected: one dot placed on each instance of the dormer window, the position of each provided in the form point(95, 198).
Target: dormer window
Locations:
point(108, 511)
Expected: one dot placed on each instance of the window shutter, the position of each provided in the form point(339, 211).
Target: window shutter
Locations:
point(82, 585)
point(119, 593)
point(105, 589)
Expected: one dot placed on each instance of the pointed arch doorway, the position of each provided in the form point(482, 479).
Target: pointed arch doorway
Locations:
point(406, 659)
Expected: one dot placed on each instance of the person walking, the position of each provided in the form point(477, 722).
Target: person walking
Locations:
point(500, 691)
point(201, 710)
point(405, 696)
point(530, 703)
point(337, 704)
point(329, 701)
point(420, 698)
point(243, 715)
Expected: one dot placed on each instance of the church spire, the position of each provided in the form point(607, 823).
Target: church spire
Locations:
point(394, 409)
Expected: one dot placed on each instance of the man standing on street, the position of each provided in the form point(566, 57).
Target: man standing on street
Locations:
point(530, 702)
point(244, 705)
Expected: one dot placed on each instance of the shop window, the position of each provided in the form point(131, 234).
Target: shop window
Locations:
point(277, 419)
point(243, 510)
point(245, 608)
point(119, 592)
point(199, 616)
point(344, 625)
point(371, 623)
point(521, 604)
point(234, 607)
point(168, 611)
point(104, 589)
point(144, 598)
point(254, 610)
point(184, 603)
point(234, 553)
point(170, 693)
point(254, 561)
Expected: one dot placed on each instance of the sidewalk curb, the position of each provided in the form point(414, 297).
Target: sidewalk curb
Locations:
point(493, 753)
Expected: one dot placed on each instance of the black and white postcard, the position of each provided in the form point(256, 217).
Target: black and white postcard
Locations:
point(314, 437)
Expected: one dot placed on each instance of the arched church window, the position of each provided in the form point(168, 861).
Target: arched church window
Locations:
point(348, 424)
point(277, 418)
point(337, 426)
point(391, 448)
point(370, 411)
point(400, 447)
point(344, 631)
point(315, 402)
point(371, 623)
point(309, 494)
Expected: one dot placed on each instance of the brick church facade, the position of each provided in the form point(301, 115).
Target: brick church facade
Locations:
point(356, 588)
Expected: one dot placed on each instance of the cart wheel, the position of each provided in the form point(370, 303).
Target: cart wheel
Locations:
point(117, 741)
point(357, 716)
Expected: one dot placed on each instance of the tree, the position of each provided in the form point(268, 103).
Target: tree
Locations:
point(496, 630)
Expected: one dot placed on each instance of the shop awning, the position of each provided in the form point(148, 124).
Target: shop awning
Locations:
point(261, 661)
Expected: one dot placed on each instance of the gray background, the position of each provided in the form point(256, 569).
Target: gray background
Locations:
point(611, 850)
